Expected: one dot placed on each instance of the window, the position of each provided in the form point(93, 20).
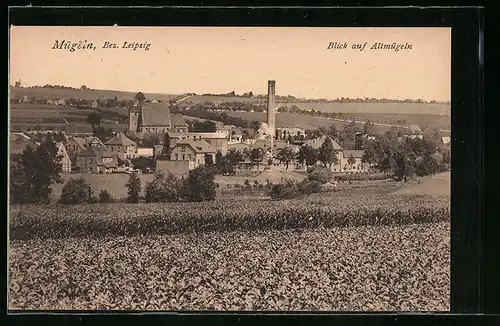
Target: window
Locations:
point(183, 157)
point(177, 157)
point(183, 148)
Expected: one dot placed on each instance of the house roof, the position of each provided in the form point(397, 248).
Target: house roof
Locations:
point(238, 146)
point(316, 143)
point(356, 153)
point(177, 120)
point(96, 151)
point(120, 140)
point(155, 114)
point(206, 135)
point(199, 146)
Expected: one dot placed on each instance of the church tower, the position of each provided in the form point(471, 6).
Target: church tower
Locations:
point(133, 117)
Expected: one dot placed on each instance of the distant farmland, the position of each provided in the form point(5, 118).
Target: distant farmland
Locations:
point(85, 94)
point(372, 108)
point(310, 122)
point(71, 119)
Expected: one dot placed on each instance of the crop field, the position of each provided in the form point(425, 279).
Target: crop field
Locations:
point(85, 94)
point(357, 249)
point(392, 108)
point(379, 268)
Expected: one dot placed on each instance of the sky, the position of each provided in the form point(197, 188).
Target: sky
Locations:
point(241, 59)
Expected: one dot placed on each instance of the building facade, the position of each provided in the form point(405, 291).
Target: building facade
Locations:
point(96, 160)
point(193, 151)
point(65, 159)
point(148, 117)
point(122, 146)
point(217, 140)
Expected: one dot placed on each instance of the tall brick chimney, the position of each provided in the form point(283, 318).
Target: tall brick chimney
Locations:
point(271, 103)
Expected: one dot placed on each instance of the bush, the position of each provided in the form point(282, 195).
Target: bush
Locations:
point(361, 177)
point(286, 189)
point(163, 188)
point(75, 191)
point(308, 187)
point(321, 175)
point(105, 197)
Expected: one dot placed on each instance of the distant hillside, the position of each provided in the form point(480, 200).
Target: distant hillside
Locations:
point(85, 94)
point(348, 107)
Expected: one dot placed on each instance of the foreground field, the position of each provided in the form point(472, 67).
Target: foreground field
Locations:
point(346, 269)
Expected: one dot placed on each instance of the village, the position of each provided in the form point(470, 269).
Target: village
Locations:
point(161, 138)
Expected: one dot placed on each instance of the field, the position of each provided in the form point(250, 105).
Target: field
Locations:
point(355, 269)
point(391, 108)
point(365, 248)
point(310, 122)
point(71, 119)
point(85, 94)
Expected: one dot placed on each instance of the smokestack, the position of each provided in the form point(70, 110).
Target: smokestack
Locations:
point(271, 96)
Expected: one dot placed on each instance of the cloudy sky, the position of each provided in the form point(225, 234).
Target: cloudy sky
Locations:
point(223, 59)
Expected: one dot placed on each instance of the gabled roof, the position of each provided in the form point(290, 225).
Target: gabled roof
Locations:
point(238, 146)
point(155, 114)
point(316, 143)
point(177, 120)
point(356, 153)
point(80, 142)
point(120, 140)
point(205, 135)
point(199, 146)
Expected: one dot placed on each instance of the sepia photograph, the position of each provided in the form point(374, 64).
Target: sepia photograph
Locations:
point(229, 169)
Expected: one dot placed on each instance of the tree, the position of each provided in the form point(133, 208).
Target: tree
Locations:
point(94, 120)
point(219, 160)
point(286, 155)
point(134, 188)
point(403, 164)
point(151, 141)
point(203, 126)
point(33, 172)
point(83, 88)
point(369, 128)
point(256, 156)
point(307, 155)
point(200, 185)
point(75, 191)
point(163, 188)
point(327, 154)
point(209, 161)
point(140, 97)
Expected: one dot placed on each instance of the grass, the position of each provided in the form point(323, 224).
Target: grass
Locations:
point(115, 183)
